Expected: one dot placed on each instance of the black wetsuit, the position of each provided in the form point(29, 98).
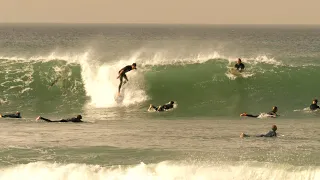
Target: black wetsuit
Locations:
point(17, 115)
point(75, 120)
point(314, 107)
point(123, 74)
point(269, 134)
point(250, 115)
point(271, 113)
point(163, 107)
point(239, 67)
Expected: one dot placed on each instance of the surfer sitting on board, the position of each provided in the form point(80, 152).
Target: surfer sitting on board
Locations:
point(165, 107)
point(271, 133)
point(74, 119)
point(122, 74)
point(272, 113)
point(239, 66)
point(314, 105)
point(15, 115)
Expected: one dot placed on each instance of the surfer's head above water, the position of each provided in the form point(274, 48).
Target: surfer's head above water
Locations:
point(239, 65)
point(314, 105)
point(134, 66)
point(315, 101)
point(274, 109)
point(79, 117)
point(171, 102)
point(274, 128)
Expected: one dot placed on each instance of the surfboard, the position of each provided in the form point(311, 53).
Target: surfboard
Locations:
point(151, 110)
point(119, 98)
point(265, 115)
point(234, 71)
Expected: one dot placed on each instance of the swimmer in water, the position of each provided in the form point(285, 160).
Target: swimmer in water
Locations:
point(271, 133)
point(15, 115)
point(314, 105)
point(164, 107)
point(239, 66)
point(272, 113)
point(74, 119)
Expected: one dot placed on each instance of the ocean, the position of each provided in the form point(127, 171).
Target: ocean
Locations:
point(61, 70)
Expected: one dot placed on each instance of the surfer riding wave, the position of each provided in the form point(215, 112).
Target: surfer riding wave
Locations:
point(122, 74)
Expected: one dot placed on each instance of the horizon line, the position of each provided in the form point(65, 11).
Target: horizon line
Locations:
point(128, 23)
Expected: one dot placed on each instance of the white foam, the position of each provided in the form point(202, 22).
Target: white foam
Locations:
point(101, 84)
point(2, 101)
point(243, 75)
point(163, 170)
point(264, 59)
point(21, 77)
point(265, 115)
point(100, 80)
point(306, 110)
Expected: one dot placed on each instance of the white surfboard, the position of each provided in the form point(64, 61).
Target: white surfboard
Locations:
point(119, 97)
point(234, 71)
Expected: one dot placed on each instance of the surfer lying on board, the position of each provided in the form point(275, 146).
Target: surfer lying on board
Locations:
point(271, 133)
point(122, 74)
point(314, 105)
point(15, 115)
point(165, 107)
point(272, 113)
point(239, 66)
point(74, 119)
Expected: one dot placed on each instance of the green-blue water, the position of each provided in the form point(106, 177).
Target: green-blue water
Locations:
point(58, 71)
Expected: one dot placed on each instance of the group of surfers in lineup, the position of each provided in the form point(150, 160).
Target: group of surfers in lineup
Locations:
point(239, 66)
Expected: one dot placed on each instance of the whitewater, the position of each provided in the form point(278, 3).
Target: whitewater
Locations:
point(163, 170)
point(59, 71)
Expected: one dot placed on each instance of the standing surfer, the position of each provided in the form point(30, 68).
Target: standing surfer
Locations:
point(122, 74)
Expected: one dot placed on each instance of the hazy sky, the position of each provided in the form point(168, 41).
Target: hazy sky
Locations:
point(162, 11)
